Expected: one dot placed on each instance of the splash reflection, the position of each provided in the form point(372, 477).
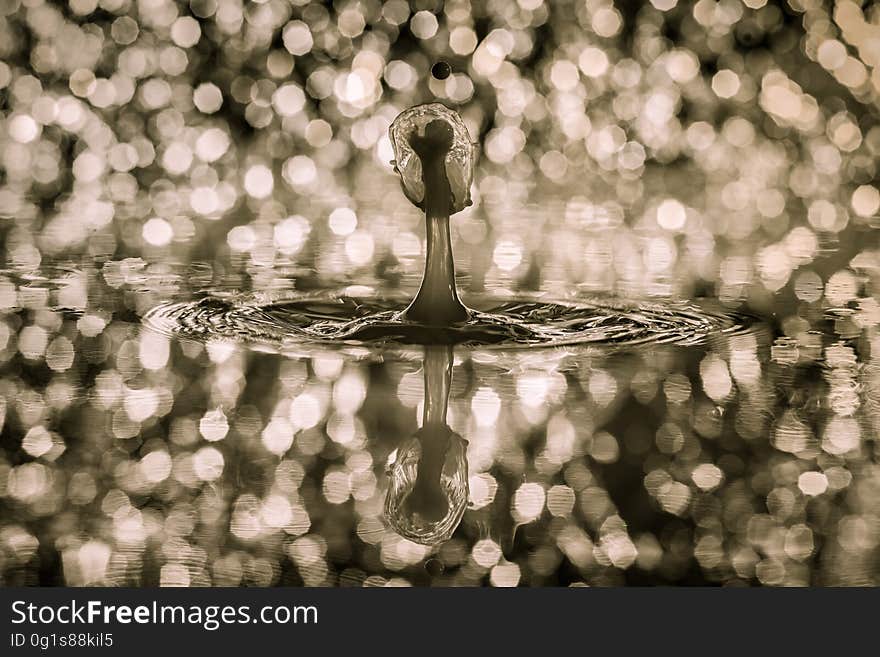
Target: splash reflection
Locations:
point(428, 491)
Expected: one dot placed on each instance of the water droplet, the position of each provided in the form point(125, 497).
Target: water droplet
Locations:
point(434, 567)
point(441, 70)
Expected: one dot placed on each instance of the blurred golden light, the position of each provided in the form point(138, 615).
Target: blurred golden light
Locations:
point(564, 75)
point(462, 40)
point(812, 483)
point(156, 466)
point(505, 574)
point(671, 215)
point(725, 83)
point(528, 502)
point(707, 476)
point(277, 437)
point(157, 232)
point(359, 247)
point(305, 411)
point(213, 426)
point(486, 553)
point(507, 255)
point(297, 38)
point(342, 221)
point(241, 238)
point(258, 181)
point(606, 21)
point(208, 464)
point(424, 24)
point(23, 129)
point(866, 200)
point(300, 171)
point(560, 500)
point(185, 32)
point(37, 441)
point(208, 98)
point(336, 486)
point(288, 99)
point(290, 234)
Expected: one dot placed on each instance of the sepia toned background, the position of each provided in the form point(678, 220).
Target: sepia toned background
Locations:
point(158, 150)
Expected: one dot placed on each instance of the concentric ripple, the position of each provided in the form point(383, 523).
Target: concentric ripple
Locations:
point(375, 320)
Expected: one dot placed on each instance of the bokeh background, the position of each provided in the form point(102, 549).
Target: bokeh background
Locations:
point(156, 150)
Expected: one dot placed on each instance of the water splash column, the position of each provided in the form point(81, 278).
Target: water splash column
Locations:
point(434, 158)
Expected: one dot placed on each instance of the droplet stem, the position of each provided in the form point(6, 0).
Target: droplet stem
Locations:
point(428, 497)
point(437, 302)
point(437, 371)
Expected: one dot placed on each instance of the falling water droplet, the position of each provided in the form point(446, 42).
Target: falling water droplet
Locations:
point(441, 70)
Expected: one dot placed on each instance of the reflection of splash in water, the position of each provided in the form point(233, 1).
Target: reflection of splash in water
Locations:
point(428, 517)
point(428, 489)
point(495, 321)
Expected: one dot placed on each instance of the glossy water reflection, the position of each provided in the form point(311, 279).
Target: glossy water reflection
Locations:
point(132, 456)
point(428, 488)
